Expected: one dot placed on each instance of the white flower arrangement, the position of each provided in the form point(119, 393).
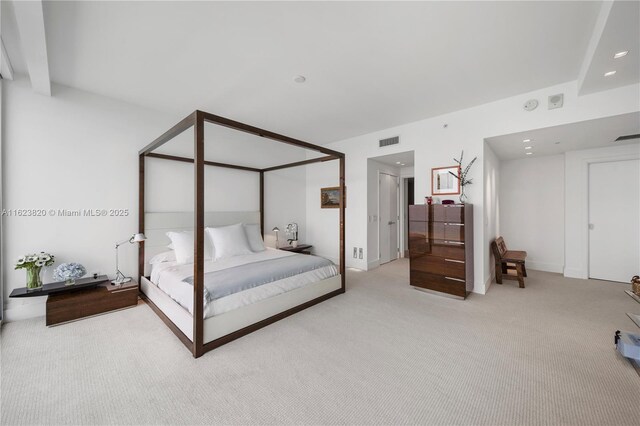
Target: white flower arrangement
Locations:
point(35, 261)
point(69, 271)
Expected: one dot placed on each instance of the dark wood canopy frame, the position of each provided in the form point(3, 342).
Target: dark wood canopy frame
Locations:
point(197, 119)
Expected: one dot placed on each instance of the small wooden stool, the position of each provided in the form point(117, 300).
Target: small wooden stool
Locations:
point(508, 260)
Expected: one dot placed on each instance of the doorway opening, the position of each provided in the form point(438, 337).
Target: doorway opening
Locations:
point(389, 193)
point(389, 214)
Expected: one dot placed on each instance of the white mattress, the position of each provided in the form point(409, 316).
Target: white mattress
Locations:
point(169, 276)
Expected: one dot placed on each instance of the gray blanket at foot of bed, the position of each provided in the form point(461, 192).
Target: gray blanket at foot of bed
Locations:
point(218, 284)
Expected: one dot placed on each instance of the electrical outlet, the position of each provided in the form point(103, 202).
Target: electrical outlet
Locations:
point(360, 253)
point(355, 252)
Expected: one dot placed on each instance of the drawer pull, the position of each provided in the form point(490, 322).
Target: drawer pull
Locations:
point(454, 224)
point(454, 279)
point(454, 242)
point(453, 260)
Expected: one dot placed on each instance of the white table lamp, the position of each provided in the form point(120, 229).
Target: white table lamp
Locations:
point(120, 278)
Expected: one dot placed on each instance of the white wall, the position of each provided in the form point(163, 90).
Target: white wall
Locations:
point(435, 146)
point(323, 231)
point(492, 208)
point(71, 151)
point(532, 209)
point(76, 150)
point(577, 202)
point(285, 202)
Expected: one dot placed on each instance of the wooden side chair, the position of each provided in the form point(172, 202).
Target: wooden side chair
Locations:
point(508, 261)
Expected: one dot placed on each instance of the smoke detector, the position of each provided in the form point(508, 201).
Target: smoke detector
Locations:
point(530, 105)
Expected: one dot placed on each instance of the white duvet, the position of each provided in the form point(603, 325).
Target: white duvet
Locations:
point(169, 276)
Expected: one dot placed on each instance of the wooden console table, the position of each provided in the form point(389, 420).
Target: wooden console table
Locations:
point(87, 297)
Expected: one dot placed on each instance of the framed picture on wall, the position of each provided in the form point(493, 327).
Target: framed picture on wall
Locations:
point(330, 197)
point(443, 181)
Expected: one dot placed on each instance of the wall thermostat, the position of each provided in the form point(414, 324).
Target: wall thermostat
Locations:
point(531, 104)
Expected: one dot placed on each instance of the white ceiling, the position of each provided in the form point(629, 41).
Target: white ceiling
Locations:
point(569, 137)
point(369, 66)
point(619, 32)
point(400, 159)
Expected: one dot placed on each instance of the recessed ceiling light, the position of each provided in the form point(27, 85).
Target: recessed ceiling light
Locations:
point(620, 54)
point(529, 153)
point(397, 162)
point(299, 79)
point(609, 73)
point(528, 147)
point(402, 164)
point(526, 141)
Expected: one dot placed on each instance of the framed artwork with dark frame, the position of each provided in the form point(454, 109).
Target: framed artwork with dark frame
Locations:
point(443, 181)
point(330, 197)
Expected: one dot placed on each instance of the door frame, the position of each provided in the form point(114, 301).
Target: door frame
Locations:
point(380, 173)
point(577, 207)
point(588, 209)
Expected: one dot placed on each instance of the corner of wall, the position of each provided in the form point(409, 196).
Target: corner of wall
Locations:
point(25, 311)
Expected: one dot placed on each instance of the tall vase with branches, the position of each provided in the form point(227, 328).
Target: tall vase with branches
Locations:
point(462, 176)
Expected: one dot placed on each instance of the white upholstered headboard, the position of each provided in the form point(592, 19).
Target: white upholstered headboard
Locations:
point(157, 224)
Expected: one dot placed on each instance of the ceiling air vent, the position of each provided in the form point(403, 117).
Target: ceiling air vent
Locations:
point(389, 141)
point(626, 138)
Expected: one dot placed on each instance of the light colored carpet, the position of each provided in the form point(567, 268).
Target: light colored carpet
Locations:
point(381, 353)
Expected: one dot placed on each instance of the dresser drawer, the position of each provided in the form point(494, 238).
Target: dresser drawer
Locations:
point(447, 249)
point(454, 213)
point(440, 283)
point(419, 212)
point(418, 229)
point(438, 265)
point(448, 231)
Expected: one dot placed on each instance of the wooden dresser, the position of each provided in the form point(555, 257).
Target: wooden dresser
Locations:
point(441, 248)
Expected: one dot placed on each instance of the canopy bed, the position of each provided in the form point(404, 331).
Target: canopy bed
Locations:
point(208, 300)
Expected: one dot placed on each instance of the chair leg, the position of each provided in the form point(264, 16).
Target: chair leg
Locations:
point(505, 268)
point(499, 274)
point(524, 269)
point(519, 268)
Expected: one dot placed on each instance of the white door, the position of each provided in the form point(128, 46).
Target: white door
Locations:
point(614, 220)
point(388, 206)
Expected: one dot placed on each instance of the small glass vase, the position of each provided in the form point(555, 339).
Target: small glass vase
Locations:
point(463, 196)
point(69, 281)
point(34, 282)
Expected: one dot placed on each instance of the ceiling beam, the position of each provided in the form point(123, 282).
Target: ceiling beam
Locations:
point(30, 20)
point(598, 30)
point(6, 70)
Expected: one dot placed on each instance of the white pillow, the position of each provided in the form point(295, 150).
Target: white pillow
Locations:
point(167, 256)
point(182, 244)
point(229, 241)
point(254, 237)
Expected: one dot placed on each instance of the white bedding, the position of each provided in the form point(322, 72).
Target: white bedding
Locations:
point(169, 276)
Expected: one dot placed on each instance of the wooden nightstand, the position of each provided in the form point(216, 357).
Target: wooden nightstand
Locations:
point(84, 303)
point(302, 248)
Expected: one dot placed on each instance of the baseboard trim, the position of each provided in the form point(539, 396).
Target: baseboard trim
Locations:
point(373, 264)
point(545, 266)
point(489, 281)
point(575, 273)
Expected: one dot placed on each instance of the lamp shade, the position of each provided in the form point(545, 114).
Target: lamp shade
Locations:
point(276, 229)
point(137, 238)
